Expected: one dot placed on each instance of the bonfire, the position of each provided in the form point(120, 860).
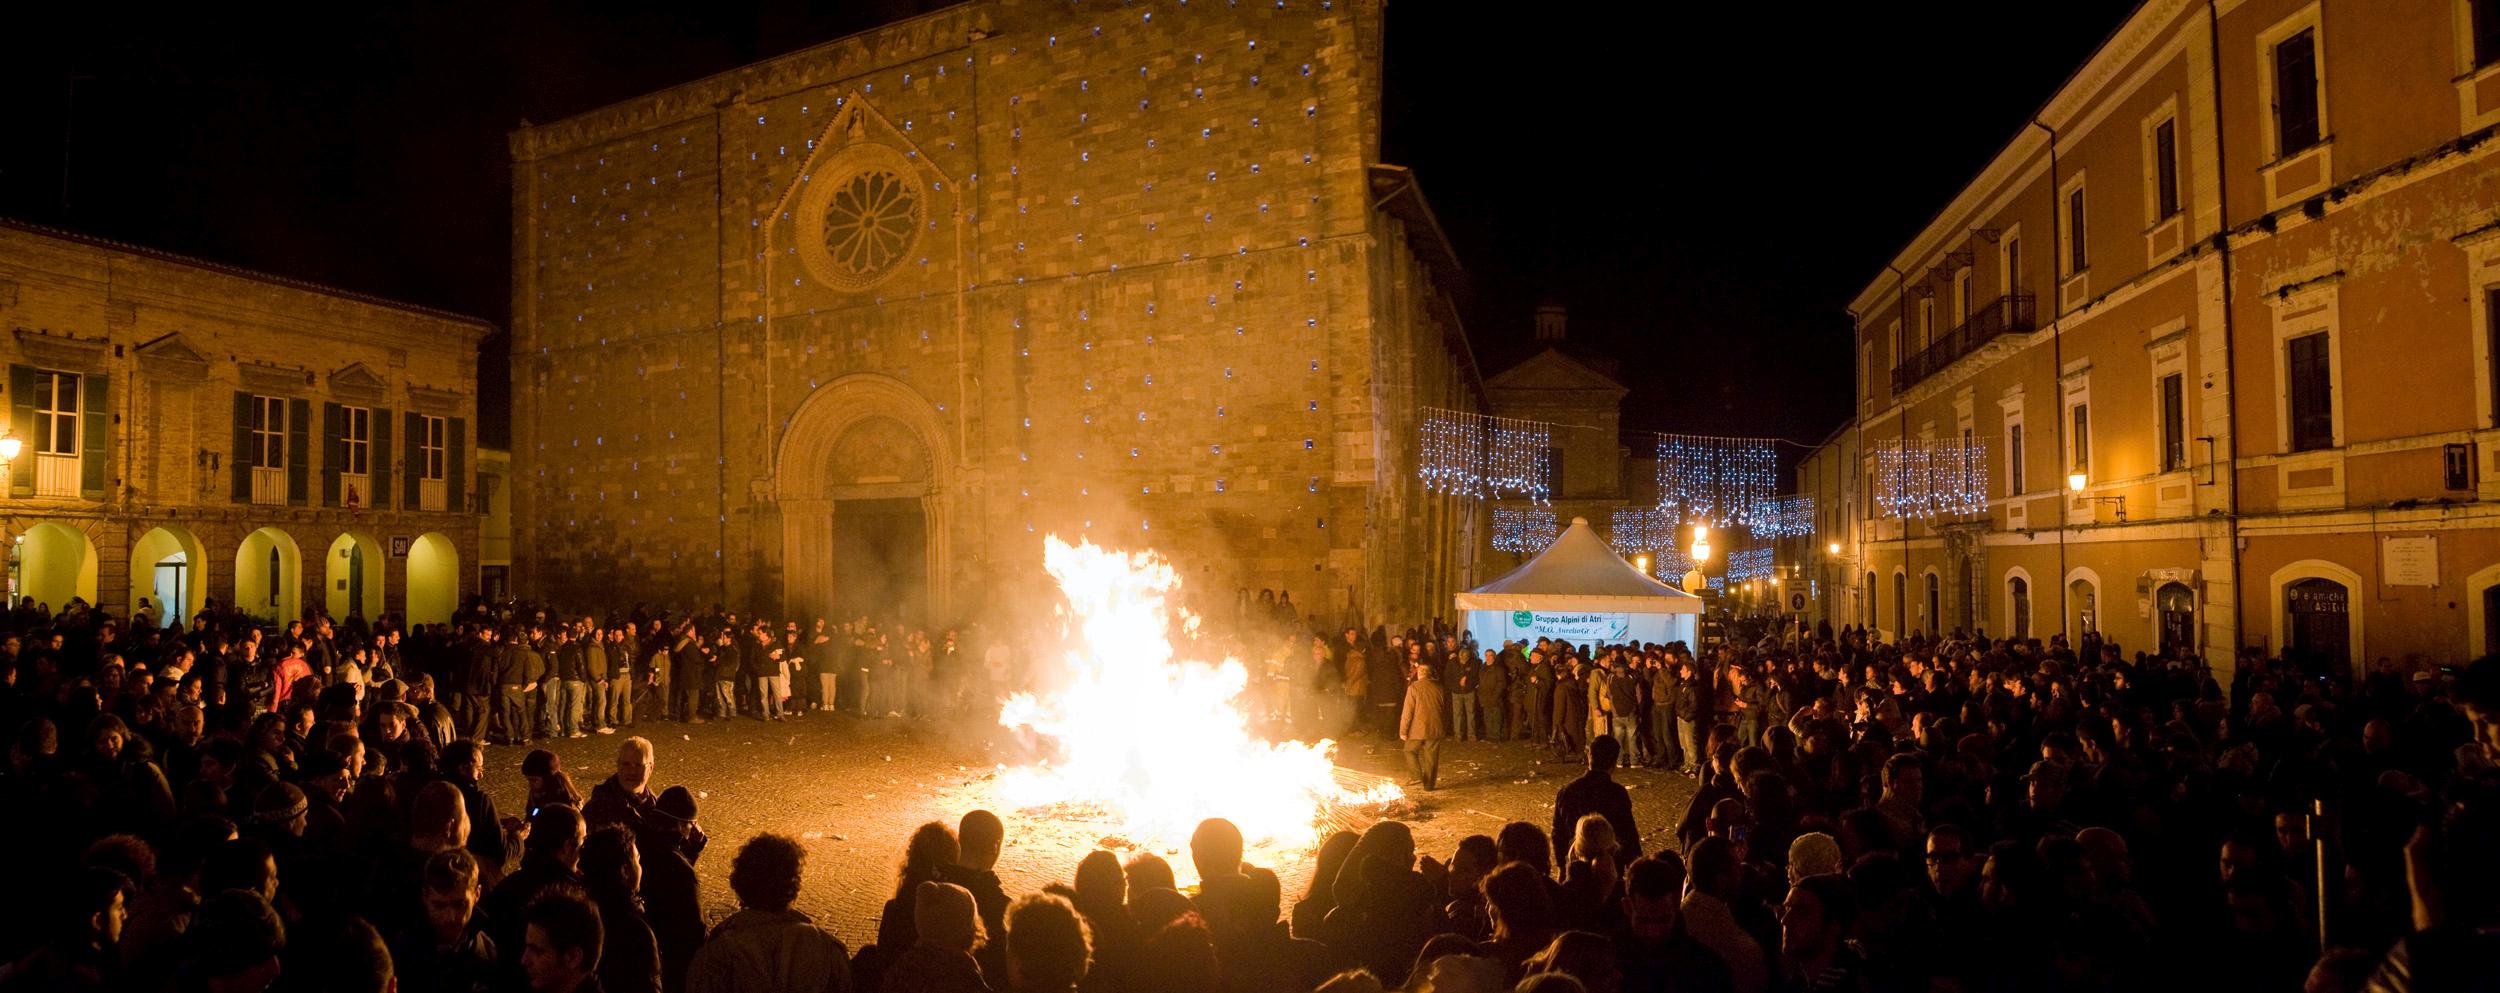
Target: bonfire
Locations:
point(1154, 742)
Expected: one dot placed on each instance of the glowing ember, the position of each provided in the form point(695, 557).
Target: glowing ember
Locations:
point(1154, 741)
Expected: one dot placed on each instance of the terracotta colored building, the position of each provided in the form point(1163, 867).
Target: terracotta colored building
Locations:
point(2221, 319)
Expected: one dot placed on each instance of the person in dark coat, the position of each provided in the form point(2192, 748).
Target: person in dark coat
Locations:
point(462, 764)
point(1596, 792)
point(629, 955)
point(672, 896)
point(1493, 694)
point(550, 859)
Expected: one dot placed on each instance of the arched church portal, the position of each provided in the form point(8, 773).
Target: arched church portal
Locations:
point(861, 481)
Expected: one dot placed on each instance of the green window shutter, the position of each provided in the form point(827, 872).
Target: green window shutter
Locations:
point(95, 446)
point(456, 466)
point(333, 451)
point(240, 460)
point(298, 452)
point(381, 460)
point(413, 465)
point(22, 424)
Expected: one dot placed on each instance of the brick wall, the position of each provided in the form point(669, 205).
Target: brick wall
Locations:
point(1143, 301)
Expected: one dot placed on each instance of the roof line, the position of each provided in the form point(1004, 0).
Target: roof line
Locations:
point(290, 282)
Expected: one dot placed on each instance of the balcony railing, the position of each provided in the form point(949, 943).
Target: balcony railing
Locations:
point(2007, 314)
point(56, 475)
point(269, 485)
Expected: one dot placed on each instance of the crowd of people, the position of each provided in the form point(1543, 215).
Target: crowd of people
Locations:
point(226, 805)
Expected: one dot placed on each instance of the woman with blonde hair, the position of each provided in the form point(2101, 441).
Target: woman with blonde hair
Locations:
point(1592, 879)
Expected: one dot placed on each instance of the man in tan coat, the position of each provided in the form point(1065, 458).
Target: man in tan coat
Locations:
point(1425, 721)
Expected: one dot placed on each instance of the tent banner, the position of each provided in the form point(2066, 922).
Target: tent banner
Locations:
point(1573, 626)
point(1493, 628)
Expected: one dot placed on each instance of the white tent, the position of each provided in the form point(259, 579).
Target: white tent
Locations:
point(1579, 591)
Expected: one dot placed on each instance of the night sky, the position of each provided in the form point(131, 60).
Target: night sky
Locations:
point(1704, 190)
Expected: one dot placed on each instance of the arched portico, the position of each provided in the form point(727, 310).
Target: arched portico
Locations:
point(169, 569)
point(862, 468)
point(269, 576)
point(52, 563)
point(353, 577)
point(433, 579)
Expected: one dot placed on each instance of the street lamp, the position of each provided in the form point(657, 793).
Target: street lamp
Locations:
point(1642, 562)
point(2075, 482)
point(1701, 544)
point(10, 446)
point(1832, 549)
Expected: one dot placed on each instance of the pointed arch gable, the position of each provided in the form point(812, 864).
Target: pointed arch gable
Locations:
point(855, 136)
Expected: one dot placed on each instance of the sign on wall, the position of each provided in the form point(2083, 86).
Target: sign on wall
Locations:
point(2412, 560)
point(399, 545)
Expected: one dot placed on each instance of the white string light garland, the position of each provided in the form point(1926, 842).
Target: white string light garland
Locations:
point(1720, 482)
point(1786, 517)
point(1915, 480)
point(1635, 530)
point(1474, 455)
point(1522, 529)
point(1752, 563)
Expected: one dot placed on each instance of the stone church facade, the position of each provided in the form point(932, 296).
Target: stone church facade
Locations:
point(852, 329)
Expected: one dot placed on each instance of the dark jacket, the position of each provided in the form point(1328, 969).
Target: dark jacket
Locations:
point(672, 900)
point(629, 957)
point(1595, 792)
point(503, 907)
point(570, 665)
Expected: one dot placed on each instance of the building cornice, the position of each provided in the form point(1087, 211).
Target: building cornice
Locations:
point(110, 248)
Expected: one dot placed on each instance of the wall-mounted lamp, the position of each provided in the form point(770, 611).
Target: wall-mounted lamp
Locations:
point(2075, 481)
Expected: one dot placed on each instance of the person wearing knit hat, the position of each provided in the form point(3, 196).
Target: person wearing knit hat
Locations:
point(940, 961)
point(280, 807)
point(1812, 854)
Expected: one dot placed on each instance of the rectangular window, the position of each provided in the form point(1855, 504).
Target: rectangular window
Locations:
point(2014, 460)
point(1926, 321)
point(2013, 266)
point(269, 432)
point(2486, 15)
point(2082, 437)
point(430, 448)
point(2491, 334)
point(2296, 92)
point(2165, 169)
point(2173, 422)
point(355, 440)
point(2076, 259)
point(2312, 393)
point(1961, 297)
point(56, 413)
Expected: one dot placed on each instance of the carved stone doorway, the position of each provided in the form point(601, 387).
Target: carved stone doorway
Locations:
point(862, 486)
